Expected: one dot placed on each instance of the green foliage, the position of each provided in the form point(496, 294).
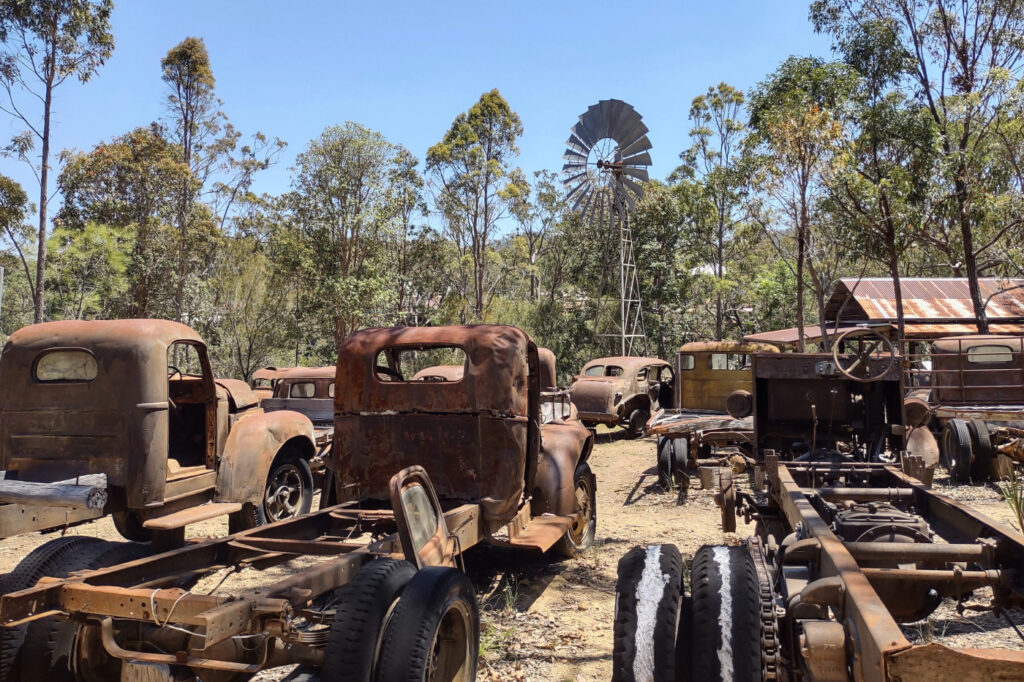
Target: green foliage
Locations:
point(87, 270)
point(475, 188)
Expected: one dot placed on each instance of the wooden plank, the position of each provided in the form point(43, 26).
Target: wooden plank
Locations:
point(16, 519)
point(184, 517)
point(86, 492)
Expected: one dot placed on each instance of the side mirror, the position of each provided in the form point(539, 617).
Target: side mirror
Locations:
point(421, 525)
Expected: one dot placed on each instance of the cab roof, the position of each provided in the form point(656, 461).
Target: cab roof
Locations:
point(626, 363)
point(727, 347)
point(113, 334)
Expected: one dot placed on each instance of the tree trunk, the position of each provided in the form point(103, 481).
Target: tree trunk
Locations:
point(43, 179)
point(971, 259)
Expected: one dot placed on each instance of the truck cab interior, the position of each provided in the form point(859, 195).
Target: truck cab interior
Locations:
point(192, 412)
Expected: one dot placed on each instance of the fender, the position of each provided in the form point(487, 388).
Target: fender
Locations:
point(564, 446)
point(252, 445)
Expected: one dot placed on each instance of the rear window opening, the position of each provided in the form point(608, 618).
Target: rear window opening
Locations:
point(262, 383)
point(686, 362)
point(65, 365)
point(595, 371)
point(402, 364)
point(989, 354)
point(730, 361)
point(303, 389)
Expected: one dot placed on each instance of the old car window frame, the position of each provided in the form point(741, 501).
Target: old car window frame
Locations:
point(330, 390)
point(63, 349)
point(642, 374)
point(391, 352)
point(613, 371)
point(294, 385)
point(594, 371)
point(691, 358)
point(981, 355)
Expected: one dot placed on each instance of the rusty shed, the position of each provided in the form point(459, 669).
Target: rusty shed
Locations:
point(932, 308)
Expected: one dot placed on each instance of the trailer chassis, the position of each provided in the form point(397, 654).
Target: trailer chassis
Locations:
point(148, 602)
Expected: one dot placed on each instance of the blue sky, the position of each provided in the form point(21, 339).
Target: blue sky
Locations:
point(407, 69)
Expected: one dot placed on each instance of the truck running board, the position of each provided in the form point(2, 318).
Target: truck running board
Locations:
point(203, 512)
point(541, 532)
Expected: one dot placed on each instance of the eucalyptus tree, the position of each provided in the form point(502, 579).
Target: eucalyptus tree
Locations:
point(341, 214)
point(221, 170)
point(132, 181)
point(796, 135)
point(45, 42)
point(714, 160)
point(965, 63)
point(471, 171)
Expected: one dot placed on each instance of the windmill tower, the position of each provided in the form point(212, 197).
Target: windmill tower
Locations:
point(606, 163)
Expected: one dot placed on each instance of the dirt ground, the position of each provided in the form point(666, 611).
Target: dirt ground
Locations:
point(545, 619)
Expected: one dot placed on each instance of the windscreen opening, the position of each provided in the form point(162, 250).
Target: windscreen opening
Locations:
point(403, 364)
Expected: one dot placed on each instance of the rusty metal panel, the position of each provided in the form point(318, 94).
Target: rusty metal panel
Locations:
point(473, 435)
point(469, 458)
point(946, 299)
point(495, 380)
point(115, 423)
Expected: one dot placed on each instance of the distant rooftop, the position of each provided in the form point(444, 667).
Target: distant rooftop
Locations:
point(932, 308)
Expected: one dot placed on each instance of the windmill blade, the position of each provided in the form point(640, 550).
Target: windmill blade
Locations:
point(574, 155)
point(586, 204)
point(578, 140)
point(573, 166)
point(641, 145)
point(574, 178)
point(619, 128)
point(635, 188)
point(632, 131)
point(614, 109)
point(575, 190)
point(638, 173)
point(580, 198)
point(643, 159)
point(589, 126)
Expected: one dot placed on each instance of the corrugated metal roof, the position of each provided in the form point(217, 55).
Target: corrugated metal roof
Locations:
point(924, 299)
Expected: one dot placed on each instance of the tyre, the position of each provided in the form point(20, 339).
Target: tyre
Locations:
point(581, 533)
point(364, 608)
point(981, 450)
point(49, 647)
point(648, 594)
point(636, 427)
point(434, 632)
point(673, 455)
point(956, 450)
point(129, 525)
point(722, 618)
point(29, 651)
point(287, 493)
point(44, 560)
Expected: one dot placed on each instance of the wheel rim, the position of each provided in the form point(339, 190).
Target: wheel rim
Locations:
point(284, 493)
point(584, 503)
point(450, 656)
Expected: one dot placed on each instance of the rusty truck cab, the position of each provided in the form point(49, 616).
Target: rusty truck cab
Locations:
point(104, 397)
point(708, 371)
point(470, 433)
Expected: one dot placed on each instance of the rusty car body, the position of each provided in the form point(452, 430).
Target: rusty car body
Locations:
point(622, 391)
point(265, 379)
point(708, 375)
point(974, 387)
point(99, 404)
point(847, 546)
point(491, 464)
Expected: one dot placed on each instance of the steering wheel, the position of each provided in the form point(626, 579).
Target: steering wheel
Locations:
point(172, 370)
point(388, 372)
point(868, 342)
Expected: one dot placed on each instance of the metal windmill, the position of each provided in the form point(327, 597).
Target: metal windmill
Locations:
point(606, 163)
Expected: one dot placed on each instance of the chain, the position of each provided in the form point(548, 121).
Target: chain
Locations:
point(770, 658)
